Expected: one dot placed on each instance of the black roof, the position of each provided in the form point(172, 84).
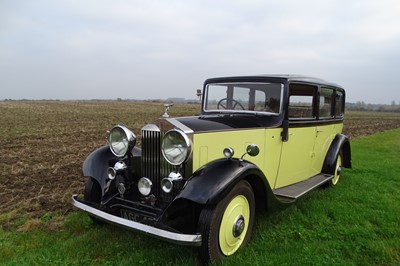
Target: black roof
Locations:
point(278, 77)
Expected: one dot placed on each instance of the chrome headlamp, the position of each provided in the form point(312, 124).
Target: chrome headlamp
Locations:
point(176, 147)
point(121, 140)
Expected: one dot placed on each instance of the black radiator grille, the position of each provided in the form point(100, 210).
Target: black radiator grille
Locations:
point(154, 166)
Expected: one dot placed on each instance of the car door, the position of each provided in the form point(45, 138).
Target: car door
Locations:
point(329, 108)
point(298, 151)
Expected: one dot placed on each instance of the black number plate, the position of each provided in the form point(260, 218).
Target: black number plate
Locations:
point(129, 215)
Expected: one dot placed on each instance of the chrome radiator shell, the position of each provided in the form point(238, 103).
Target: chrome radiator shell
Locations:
point(153, 164)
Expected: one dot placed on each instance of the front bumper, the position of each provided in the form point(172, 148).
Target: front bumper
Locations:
point(184, 239)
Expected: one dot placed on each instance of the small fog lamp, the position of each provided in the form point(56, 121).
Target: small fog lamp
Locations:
point(166, 185)
point(144, 186)
point(111, 173)
point(118, 168)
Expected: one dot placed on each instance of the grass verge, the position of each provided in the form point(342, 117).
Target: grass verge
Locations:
point(356, 223)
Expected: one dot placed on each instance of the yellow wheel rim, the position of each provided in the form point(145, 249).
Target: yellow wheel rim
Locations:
point(234, 225)
point(338, 170)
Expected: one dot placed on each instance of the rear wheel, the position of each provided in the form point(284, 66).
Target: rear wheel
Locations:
point(337, 172)
point(93, 194)
point(227, 226)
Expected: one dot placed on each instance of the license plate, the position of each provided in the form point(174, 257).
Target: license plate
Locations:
point(129, 215)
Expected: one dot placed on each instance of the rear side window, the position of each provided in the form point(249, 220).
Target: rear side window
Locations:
point(326, 102)
point(312, 102)
point(339, 103)
point(302, 101)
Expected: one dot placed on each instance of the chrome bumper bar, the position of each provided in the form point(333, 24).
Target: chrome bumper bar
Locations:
point(184, 239)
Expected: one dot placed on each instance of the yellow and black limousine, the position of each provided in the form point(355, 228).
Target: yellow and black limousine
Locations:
point(260, 142)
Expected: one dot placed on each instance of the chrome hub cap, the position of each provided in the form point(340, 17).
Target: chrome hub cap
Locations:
point(339, 170)
point(238, 226)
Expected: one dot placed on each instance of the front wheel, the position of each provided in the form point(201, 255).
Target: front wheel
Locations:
point(93, 194)
point(227, 226)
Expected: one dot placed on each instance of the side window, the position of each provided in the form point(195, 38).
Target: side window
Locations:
point(339, 101)
point(325, 102)
point(301, 101)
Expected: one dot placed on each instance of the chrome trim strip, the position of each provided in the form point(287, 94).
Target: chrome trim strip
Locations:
point(180, 125)
point(184, 239)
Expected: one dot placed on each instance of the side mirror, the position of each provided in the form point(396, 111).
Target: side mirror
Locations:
point(252, 150)
point(199, 94)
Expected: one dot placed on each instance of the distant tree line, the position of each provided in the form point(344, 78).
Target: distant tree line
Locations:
point(362, 106)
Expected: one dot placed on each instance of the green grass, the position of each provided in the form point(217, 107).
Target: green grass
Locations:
point(356, 223)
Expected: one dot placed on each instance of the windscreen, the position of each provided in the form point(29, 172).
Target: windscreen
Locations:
point(243, 97)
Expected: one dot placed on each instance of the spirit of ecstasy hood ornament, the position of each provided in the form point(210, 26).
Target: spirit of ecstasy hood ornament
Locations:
point(167, 106)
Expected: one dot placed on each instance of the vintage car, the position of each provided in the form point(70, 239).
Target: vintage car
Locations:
point(260, 142)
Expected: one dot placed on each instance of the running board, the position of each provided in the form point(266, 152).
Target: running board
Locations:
point(297, 190)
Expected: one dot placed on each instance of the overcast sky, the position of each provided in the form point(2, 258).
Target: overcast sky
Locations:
point(68, 49)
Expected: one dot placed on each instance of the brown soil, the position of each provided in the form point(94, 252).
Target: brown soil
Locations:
point(43, 145)
point(363, 124)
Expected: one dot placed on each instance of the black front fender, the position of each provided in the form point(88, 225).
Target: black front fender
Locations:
point(213, 181)
point(96, 164)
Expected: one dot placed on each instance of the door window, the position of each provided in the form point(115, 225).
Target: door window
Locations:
point(325, 102)
point(301, 101)
point(339, 103)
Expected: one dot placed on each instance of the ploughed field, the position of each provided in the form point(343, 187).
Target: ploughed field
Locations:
point(44, 143)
